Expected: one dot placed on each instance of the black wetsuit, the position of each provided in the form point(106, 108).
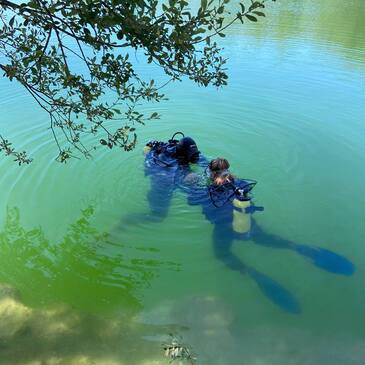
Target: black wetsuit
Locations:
point(167, 174)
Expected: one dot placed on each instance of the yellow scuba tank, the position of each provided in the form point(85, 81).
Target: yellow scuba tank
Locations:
point(241, 219)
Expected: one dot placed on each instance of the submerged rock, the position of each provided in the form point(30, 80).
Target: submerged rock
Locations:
point(14, 317)
point(202, 324)
point(55, 322)
point(153, 362)
point(7, 291)
point(75, 360)
point(197, 312)
point(89, 360)
point(111, 329)
point(204, 313)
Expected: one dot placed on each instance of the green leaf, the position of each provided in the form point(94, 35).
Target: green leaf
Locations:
point(259, 13)
point(251, 17)
point(11, 22)
point(199, 30)
point(242, 8)
point(221, 35)
point(203, 4)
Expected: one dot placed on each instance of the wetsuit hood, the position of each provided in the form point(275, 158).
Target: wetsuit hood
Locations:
point(187, 150)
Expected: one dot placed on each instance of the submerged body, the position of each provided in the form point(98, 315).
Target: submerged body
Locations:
point(233, 220)
point(231, 216)
point(167, 173)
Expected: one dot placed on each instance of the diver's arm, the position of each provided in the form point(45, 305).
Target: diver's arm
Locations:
point(202, 161)
point(197, 195)
point(252, 209)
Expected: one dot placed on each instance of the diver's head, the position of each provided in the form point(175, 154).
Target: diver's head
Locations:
point(223, 178)
point(187, 150)
point(217, 166)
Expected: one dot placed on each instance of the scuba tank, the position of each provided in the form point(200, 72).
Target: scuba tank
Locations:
point(243, 208)
point(241, 219)
point(238, 194)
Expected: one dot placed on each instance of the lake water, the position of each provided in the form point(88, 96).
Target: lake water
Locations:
point(81, 287)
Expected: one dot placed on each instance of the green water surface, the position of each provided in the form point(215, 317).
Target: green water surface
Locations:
point(91, 289)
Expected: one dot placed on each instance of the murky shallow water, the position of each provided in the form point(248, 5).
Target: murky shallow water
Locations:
point(88, 289)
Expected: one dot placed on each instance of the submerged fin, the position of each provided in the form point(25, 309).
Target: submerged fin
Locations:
point(275, 292)
point(327, 260)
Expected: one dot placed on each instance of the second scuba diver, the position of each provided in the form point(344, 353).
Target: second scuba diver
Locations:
point(227, 203)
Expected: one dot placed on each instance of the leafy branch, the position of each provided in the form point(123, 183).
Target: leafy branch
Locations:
point(8, 150)
point(39, 39)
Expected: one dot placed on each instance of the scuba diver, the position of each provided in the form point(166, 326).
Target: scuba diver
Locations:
point(227, 203)
point(167, 164)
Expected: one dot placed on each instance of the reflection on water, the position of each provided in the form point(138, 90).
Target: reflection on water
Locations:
point(336, 25)
point(94, 267)
point(335, 21)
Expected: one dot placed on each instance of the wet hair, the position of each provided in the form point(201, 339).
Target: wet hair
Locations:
point(218, 165)
point(187, 150)
point(223, 178)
